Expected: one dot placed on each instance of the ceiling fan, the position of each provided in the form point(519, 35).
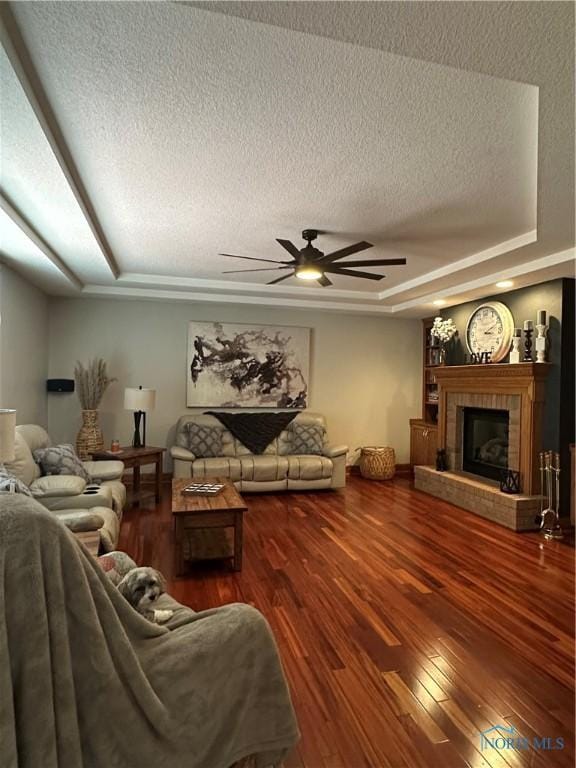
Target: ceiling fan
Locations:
point(309, 263)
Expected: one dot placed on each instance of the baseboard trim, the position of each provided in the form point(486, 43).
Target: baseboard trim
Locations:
point(402, 470)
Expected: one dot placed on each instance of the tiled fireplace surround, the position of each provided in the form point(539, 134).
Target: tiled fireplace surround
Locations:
point(518, 389)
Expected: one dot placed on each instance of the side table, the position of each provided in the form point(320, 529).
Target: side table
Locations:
point(134, 458)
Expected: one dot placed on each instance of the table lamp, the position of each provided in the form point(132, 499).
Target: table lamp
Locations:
point(7, 439)
point(140, 400)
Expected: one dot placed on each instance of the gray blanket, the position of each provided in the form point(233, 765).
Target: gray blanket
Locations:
point(86, 682)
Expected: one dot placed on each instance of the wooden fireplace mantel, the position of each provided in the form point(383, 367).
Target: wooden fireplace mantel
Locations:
point(500, 374)
point(525, 380)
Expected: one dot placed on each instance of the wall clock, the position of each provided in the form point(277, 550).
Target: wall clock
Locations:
point(490, 329)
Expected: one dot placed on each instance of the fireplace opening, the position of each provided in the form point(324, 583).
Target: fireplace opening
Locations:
point(485, 442)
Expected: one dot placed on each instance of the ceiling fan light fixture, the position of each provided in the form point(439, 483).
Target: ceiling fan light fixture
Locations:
point(308, 273)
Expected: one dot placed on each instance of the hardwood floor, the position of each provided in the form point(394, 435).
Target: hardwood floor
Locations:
point(406, 626)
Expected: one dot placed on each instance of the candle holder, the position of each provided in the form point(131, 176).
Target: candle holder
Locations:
point(528, 345)
point(540, 343)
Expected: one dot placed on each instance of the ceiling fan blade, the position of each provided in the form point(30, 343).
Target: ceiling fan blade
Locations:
point(263, 269)
point(290, 247)
point(252, 258)
point(351, 273)
point(348, 251)
point(279, 279)
point(373, 263)
point(324, 282)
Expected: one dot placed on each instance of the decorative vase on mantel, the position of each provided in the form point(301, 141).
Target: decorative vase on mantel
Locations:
point(89, 439)
point(442, 355)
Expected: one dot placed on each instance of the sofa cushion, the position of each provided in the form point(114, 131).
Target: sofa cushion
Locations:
point(60, 460)
point(270, 450)
point(57, 485)
point(264, 468)
point(203, 440)
point(9, 482)
point(221, 466)
point(307, 439)
point(104, 470)
point(23, 467)
point(309, 467)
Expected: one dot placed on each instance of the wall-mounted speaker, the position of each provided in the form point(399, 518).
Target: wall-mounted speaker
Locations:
point(60, 385)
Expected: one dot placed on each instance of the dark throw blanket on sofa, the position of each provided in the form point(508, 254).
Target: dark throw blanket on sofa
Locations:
point(255, 430)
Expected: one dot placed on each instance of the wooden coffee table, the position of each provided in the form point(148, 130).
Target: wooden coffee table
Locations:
point(225, 510)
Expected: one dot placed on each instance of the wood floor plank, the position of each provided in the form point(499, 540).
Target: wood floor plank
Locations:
point(406, 626)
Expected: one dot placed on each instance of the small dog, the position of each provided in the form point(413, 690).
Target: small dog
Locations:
point(142, 587)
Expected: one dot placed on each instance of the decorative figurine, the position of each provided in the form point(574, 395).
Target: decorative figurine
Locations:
point(528, 331)
point(516, 341)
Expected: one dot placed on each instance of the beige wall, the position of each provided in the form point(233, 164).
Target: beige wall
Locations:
point(364, 376)
point(23, 348)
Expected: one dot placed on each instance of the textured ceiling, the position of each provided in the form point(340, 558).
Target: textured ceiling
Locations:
point(33, 181)
point(197, 131)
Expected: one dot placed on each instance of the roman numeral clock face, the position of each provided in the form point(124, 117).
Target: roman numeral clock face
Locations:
point(490, 328)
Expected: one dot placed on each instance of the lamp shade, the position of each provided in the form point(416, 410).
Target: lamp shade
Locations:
point(139, 399)
point(7, 427)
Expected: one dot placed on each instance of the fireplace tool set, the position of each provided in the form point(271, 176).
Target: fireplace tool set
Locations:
point(550, 493)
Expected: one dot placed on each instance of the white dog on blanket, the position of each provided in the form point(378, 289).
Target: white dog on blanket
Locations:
point(142, 587)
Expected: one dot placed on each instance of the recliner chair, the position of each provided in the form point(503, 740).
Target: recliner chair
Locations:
point(68, 493)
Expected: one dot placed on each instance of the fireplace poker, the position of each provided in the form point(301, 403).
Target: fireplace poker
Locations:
point(551, 516)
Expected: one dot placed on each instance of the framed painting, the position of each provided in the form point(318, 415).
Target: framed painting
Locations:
point(232, 365)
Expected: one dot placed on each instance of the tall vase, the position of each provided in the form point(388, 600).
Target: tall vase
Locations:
point(442, 355)
point(89, 437)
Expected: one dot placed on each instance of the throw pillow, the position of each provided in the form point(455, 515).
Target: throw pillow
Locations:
point(205, 441)
point(8, 481)
point(307, 439)
point(116, 565)
point(60, 460)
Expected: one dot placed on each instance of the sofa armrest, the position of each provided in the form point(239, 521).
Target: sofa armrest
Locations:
point(104, 470)
point(177, 452)
point(57, 485)
point(336, 450)
point(80, 520)
point(101, 498)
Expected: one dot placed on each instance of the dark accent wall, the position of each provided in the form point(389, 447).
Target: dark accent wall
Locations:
point(567, 389)
point(557, 298)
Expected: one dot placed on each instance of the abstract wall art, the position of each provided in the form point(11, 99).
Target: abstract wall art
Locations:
point(247, 366)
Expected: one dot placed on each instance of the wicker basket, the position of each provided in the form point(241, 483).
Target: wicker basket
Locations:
point(377, 463)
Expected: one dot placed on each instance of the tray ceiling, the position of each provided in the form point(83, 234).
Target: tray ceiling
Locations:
point(195, 132)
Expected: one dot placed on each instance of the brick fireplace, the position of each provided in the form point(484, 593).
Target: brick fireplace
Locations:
point(512, 399)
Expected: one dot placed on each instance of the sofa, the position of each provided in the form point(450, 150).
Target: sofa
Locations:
point(67, 495)
point(278, 468)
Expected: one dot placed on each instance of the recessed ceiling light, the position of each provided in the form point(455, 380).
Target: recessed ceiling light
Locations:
point(308, 273)
point(504, 284)
point(439, 302)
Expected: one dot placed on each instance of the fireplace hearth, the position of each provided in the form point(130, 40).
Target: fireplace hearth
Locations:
point(485, 441)
point(499, 407)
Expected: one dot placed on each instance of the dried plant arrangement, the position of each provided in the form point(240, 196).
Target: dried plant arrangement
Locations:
point(91, 383)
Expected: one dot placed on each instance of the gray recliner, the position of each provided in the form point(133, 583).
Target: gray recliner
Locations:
point(66, 495)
